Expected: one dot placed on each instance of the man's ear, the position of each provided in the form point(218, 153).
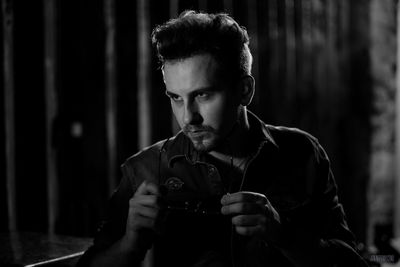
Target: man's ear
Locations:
point(246, 90)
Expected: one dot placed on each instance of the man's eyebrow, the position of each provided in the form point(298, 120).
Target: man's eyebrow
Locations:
point(199, 90)
point(168, 93)
point(206, 89)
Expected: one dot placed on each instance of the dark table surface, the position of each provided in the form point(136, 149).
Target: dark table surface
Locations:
point(38, 249)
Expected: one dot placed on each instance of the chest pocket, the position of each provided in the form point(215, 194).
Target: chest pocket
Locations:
point(186, 180)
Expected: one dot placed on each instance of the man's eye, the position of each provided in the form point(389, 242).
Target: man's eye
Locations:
point(203, 95)
point(175, 98)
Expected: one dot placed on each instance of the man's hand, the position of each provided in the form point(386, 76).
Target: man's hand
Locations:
point(144, 215)
point(252, 214)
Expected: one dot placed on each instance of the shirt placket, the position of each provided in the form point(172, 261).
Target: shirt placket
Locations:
point(213, 178)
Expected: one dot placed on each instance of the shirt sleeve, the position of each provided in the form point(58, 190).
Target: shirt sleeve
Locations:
point(320, 223)
point(113, 227)
point(337, 243)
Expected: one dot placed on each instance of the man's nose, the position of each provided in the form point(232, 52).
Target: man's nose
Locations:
point(191, 114)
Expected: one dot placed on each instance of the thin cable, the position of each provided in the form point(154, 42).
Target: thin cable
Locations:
point(159, 160)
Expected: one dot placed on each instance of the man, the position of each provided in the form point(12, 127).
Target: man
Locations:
point(227, 190)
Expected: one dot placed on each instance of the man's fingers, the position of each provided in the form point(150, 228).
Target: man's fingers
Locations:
point(248, 220)
point(145, 222)
point(148, 212)
point(243, 196)
point(141, 190)
point(147, 188)
point(252, 213)
point(145, 200)
point(242, 208)
point(249, 230)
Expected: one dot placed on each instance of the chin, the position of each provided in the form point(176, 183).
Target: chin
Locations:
point(205, 145)
point(202, 147)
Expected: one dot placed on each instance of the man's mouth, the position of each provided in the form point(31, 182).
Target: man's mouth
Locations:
point(196, 133)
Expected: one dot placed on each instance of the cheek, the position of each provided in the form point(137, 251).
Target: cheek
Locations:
point(218, 114)
point(215, 115)
point(178, 114)
point(175, 111)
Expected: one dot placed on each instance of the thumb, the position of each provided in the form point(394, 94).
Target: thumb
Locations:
point(147, 188)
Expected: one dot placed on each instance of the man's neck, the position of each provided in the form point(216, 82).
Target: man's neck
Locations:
point(237, 145)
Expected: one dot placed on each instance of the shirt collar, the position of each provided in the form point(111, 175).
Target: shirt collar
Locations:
point(180, 145)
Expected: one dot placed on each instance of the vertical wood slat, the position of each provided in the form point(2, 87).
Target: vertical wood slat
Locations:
point(314, 52)
point(282, 59)
point(298, 61)
point(306, 27)
point(8, 41)
point(290, 76)
point(319, 59)
point(331, 39)
point(143, 72)
point(144, 87)
point(397, 137)
point(252, 14)
point(298, 20)
point(336, 90)
point(173, 12)
point(272, 72)
point(51, 109)
point(110, 93)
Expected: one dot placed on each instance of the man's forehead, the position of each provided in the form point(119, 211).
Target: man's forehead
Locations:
point(198, 66)
point(201, 58)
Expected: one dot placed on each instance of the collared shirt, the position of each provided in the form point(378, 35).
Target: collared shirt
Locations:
point(287, 165)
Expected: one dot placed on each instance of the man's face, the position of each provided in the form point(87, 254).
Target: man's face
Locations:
point(202, 102)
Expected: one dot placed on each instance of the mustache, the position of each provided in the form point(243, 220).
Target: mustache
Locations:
point(197, 128)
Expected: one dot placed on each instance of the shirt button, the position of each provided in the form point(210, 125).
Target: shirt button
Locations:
point(211, 169)
point(218, 188)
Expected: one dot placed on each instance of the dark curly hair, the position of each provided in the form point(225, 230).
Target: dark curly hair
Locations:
point(194, 33)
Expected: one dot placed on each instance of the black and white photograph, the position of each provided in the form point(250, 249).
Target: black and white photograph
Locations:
point(200, 133)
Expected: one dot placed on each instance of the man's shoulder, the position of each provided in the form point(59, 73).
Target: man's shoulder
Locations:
point(283, 136)
point(146, 162)
point(298, 145)
point(152, 152)
point(292, 139)
point(148, 152)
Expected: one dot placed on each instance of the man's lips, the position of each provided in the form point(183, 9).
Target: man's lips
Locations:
point(196, 133)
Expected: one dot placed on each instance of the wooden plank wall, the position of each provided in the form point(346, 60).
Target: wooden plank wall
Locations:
point(8, 118)
point(397, 134)
point(104, 96)
point(24, 117)
point(111, 92)
point(50, 70)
